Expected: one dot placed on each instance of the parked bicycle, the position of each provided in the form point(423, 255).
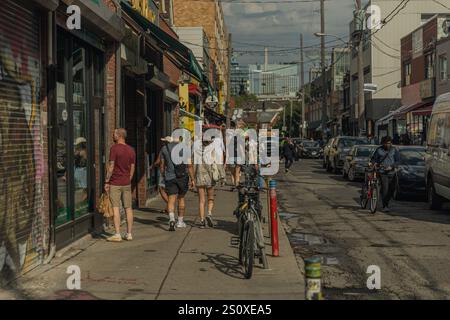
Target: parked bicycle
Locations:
point(249, 217)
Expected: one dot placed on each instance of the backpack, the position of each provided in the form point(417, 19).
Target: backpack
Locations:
point(180, 169)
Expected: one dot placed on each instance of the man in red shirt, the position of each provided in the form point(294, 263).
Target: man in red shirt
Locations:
point(118, 181)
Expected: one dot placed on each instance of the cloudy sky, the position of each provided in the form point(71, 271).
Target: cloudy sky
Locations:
point(278, 25)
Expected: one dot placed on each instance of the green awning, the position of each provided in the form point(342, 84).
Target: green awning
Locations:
point(172, 44)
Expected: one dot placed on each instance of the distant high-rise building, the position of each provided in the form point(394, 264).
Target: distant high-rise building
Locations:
point(240, 83)
point(274, 79)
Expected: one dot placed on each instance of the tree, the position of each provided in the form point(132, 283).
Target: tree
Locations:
point(242, 100)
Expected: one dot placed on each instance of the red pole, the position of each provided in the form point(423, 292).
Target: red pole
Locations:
point(274, 218)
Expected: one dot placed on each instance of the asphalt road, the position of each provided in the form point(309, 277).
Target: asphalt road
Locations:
point(411, 244)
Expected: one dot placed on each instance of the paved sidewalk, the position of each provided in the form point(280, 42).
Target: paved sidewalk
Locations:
point(192, 263)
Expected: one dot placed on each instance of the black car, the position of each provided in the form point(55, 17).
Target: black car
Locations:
point(311, 149)
point(357, 161)
point(410, 176)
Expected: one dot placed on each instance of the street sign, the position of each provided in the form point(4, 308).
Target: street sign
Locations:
point(370, 87)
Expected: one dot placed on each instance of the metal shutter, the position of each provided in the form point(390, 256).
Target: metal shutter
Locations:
point(21, 157)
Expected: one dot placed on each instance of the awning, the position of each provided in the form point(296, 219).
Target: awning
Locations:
point(385, 120)
point(194, 89)
point(171, 96)
point(211, 114)
point(101, 16)
point(190, 115)
point(399, 113)
point(167, 41)
point(424, 110)
point(48, 4)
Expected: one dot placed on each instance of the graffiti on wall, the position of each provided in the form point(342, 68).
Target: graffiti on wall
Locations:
point(21, 157)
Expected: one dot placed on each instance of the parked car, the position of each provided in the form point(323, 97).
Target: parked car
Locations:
point(438, 154)
point(326, 154)
point(410, 176)
point(311, 149)
point(339, 150)
point(357, 161)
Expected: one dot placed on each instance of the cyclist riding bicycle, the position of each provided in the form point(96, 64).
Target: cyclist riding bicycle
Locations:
point(386, 158)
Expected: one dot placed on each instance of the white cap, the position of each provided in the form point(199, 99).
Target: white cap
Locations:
point(79, 140)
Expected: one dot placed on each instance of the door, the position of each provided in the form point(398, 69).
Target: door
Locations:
point(78, 137)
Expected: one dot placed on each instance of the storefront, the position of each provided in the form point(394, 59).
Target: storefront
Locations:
point(78, 139)
point(23, 159)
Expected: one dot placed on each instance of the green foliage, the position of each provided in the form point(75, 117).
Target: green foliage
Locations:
point(242, 100)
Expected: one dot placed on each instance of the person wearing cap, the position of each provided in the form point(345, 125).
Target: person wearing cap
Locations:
point(387, 157)
point(122, 160)
point(80, 170)
point(177, 177)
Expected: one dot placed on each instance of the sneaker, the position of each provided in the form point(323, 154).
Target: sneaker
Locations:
point(386, 209)
point(209, 220)
point(128, 237)
point(181, 224)
point(114, 238)
point(202, 224)
point(172, 225)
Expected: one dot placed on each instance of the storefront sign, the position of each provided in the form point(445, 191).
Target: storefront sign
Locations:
point(147, 8)
point(427, 88)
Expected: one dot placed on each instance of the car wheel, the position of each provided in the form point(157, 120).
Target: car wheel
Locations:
point(351, 174)
point(434, 200)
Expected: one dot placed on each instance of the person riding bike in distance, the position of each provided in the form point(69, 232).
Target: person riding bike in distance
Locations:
point(386, 157)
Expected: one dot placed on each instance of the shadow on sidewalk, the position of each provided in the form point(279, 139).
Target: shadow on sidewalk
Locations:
point(229, 226)
point(224, 263)
point(160, 222)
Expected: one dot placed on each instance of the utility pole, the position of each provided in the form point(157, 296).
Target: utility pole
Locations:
point(324, 70)
point(302, 83)
point(290, 119)
point(361, 100)
point(229, 84)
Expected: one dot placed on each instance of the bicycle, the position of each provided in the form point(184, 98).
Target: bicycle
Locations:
point(371, 189)
point(251, 236)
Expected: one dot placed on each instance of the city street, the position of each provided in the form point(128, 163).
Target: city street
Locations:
point(410, 244)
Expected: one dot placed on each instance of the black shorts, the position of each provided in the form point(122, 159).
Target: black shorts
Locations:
point(178, 186)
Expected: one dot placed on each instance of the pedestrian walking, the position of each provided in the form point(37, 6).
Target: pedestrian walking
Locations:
point(288, 154)
point(161, 180)
point(388, 158)
point(178, 175)
point(207, 175)
point(122, 160)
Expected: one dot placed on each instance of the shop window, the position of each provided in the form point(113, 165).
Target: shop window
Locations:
point(429, 66)
point(443, 67)
point(407, 71)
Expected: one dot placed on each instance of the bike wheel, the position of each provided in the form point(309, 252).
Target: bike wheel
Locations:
point(261, 249)
point(374, 198)
point(248, 249)
point(241, 225)
point(363, 198)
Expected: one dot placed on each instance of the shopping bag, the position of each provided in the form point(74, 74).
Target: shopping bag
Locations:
point(104, 206)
